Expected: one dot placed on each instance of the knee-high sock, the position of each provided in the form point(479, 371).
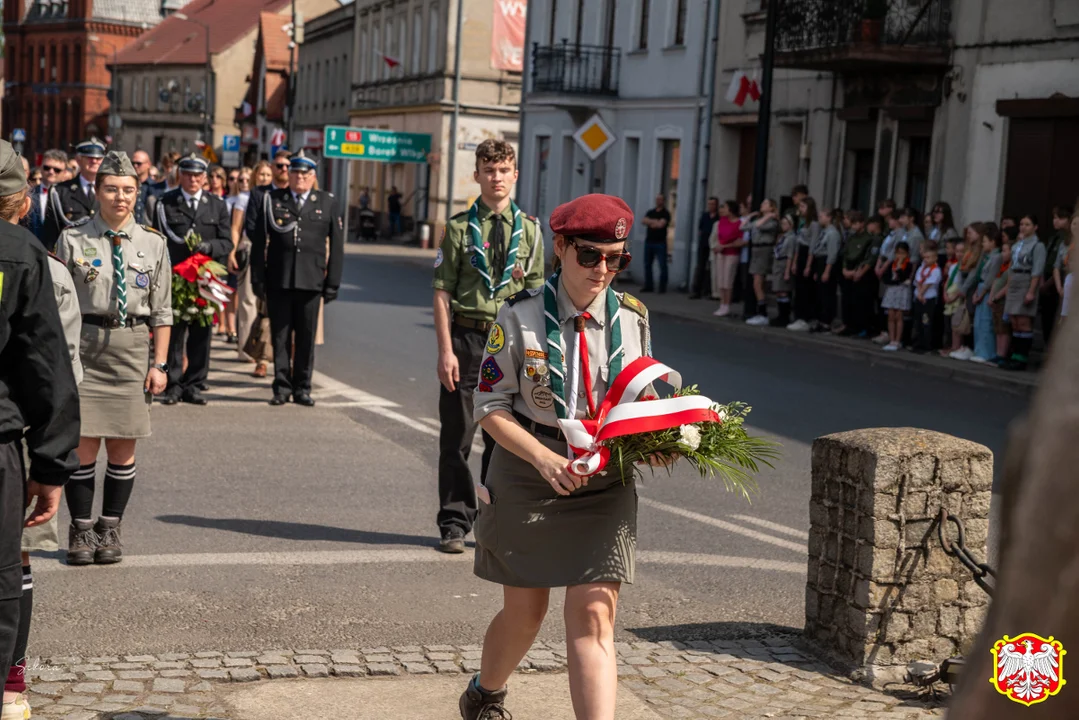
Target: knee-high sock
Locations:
point(80, 492)
point(119, 481)
point(1021, 342)
point(16, 677)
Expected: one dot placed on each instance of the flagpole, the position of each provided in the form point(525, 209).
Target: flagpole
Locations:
point(452, 144)
point(289, 138)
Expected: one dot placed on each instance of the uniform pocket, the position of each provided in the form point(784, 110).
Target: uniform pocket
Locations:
point(486, 526)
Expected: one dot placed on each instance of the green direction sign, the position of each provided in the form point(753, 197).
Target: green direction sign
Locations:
point(378, 145)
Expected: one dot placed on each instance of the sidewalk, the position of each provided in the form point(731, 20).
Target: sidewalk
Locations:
point(768, 677)
point(678, 305)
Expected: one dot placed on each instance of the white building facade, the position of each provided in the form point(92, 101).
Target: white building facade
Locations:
point(641, 66)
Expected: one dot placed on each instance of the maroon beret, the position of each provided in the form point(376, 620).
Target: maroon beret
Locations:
point(597, 218)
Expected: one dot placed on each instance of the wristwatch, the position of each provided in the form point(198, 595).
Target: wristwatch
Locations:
point(163, 367)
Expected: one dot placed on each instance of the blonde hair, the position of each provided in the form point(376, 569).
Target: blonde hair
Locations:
point(11, 206)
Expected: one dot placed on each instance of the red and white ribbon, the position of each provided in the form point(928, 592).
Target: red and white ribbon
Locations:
point(621, 414)
point(213, 291)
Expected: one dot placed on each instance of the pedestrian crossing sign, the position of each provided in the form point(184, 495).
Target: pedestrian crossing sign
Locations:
point(594, 137)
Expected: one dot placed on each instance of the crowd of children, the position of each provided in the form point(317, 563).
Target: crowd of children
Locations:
point(902, 282)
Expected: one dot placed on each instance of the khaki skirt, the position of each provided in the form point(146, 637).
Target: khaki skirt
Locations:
point(111, 397)
point(529, 536)
point(760, 259)
point(1015, 301)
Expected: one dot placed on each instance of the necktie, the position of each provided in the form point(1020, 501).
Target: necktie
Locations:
point(299, 202)
point(90, 192)
point(191, 204)
point(586, 371)
point(498, 242)
point(119, 273)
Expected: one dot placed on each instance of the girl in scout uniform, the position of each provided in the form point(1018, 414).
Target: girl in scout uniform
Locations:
point(781, 276)
point(123, 279)
point(551, 355)
point(1027, 271)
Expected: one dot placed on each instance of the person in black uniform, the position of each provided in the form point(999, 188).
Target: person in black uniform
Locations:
point(178, 212)
point(292, 270)
point(252, 218)
point(39, 402)
point(73, 202)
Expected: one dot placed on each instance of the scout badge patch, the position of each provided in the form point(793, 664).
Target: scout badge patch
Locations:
point(496, 340)
point(490, 372)
point(518, 271)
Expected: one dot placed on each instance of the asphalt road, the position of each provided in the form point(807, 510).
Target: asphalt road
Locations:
point(253, 527)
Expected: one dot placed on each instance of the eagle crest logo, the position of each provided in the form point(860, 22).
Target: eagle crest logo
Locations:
point(1028, 668)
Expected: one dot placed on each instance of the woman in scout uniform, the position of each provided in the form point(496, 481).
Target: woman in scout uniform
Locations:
point(551, 355)
point(124, 282)
point(1027, 271)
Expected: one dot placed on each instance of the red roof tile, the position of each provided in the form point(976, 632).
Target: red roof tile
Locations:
point(274, 40)
point(182, 42)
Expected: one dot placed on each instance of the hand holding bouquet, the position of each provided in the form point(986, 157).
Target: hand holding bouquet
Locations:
point(198, 289)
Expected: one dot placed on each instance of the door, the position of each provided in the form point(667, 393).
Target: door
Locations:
point(747, 157)
point(1042, 156)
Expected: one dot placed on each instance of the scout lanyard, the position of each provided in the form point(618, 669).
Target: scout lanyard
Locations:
point(481, 256)
point(556, 352)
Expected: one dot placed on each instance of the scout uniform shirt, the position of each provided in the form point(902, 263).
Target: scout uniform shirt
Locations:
point(861, 249)
point(87, 253)
point(456, 269)
point(67, 302)
point(515, 375)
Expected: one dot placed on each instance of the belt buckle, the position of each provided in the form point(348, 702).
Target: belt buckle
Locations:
point(114, 322)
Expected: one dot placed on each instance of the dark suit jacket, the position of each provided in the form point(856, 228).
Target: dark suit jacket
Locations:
point(73, 205)
point(35, 219)
point(289, 248)
point(210, 220)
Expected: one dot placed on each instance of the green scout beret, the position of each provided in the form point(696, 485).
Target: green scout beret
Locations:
point(117, 162)
point(12, 175)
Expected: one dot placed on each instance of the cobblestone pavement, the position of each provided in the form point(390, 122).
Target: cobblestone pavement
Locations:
point(764, 678)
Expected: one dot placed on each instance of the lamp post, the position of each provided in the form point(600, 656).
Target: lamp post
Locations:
point(207, 106)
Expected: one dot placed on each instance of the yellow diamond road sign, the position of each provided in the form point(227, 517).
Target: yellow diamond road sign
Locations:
point(594, 137)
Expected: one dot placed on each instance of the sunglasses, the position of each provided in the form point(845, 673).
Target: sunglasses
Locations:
point(281, 166)
point(51, 169)
point(589, 257)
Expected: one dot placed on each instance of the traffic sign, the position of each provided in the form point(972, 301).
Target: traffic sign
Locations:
point(378, 145)
point(18, 135)
point(594, 137)
point(230, 143)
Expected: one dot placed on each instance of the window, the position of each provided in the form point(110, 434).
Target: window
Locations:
point(325, 84)
point(680, 22)
point(361, 58)
point(160, 87)
point(146, 94)
point(432, 40)
point(668, 181)
point(65, 72)
point(417, 39)
point(41, 66)
point(52, 63)
point(402, 48)
point(76, 71)
point(642, 33)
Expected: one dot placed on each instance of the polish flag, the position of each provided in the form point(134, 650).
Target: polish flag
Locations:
point(388, 59)
point(742, 88)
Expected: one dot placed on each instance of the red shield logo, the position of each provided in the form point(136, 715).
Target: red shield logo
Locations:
point(1028, 668)
point(620, 229)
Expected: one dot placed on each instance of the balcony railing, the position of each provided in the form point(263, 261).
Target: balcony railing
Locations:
point(572, 69)
point(848, 34)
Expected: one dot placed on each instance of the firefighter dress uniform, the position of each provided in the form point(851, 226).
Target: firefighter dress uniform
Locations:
point(73, 202)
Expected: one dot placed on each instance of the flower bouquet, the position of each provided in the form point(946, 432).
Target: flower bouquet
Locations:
point(198, 289)
point(712, 437)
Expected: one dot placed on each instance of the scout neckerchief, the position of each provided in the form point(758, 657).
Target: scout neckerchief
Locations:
point(481, 255)
point(119, 273)
point(556, 352)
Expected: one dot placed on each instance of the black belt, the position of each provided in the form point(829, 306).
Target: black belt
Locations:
point(111, 321)
point(469, 323)
point(1021, 272)
point(538, 428)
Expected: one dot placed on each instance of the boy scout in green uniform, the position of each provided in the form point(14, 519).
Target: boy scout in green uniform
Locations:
point(487, 254)
point(859, 285)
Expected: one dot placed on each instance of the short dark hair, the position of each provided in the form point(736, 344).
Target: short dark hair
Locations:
point(713, 197)
point(282, 154)
point(1011, 232)
point(799, 190)
point(875, 220)
point(857, 216)
point(991, 231)
point(886, 203)
point(732, 207)
point(1062, 211)
point(495, 151)
point(1032, 217)
point(903, 245)
point(931, 247)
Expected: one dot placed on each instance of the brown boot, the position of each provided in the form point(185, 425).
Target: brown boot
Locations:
point(82, 541)
point(476, 704)
point(108, 549)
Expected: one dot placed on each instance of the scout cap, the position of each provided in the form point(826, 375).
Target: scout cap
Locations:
point(91, 148)
point(193, 164)
point(301, 163)
point(596, 218)
point(117, 163)
point(12, 176)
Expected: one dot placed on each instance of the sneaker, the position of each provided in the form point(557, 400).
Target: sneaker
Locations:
point(453, 541)
point(757, 321)
point(979, 360)
point(476, 704)
point(962, 353)
point(17, 709)
point(108, 550)
point(82, 541)
point(890, 347)
point(723, 311)
point(799, 326)
point(882, 339)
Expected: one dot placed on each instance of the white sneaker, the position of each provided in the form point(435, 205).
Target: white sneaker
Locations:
point(757, 320)
point(799, 326)
point(890, 347)
point(882, 339)
point(17, 709)
point(979, 360)
point(962, 353)
point(722, 311)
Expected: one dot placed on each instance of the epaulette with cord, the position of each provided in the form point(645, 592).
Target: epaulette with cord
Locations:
point(523, 295)
point(152, 229)
point(632, 303)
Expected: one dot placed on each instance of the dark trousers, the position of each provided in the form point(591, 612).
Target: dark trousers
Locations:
point(12, 502)
point(293, 322)
point(456, 490)
point(1048, 305)
point(805, 290)
point(749, 298)
point(923, 317)
point(859, 303)
point(654, 252)
point(826, 296)
point(196, 340)
point(702, 280)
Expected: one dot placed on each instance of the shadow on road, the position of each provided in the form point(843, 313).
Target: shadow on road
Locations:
point(299, 531)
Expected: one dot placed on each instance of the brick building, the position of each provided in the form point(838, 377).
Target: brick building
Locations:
point(56, 55)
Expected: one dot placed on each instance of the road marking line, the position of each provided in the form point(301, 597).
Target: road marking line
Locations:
point(330, 386)
point(730, 527)
point(430, 421)
point(657, 557)
point(774, 527)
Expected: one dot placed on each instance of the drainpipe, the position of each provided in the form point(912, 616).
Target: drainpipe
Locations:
point(451, 146)
point(702, 134)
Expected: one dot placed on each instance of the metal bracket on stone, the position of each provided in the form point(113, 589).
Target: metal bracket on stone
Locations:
point(962, 553)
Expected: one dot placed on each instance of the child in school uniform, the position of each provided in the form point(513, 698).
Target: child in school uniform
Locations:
point(983, 277)
point(1062, 274)
point(951, 299)
point(884, 259)
point(786, 244)
point(897, 279)
point(926, 292)
point(1002, 327)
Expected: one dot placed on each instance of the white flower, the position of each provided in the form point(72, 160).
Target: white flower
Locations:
point(208, 310)
point(690, 436)
point(190, 310)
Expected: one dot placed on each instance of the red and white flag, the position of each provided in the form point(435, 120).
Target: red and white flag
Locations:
point(742, 88)
point(388, 59)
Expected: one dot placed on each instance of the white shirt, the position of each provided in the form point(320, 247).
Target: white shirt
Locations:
point(300, 199)
point(929, 276)
point(87, 186)
point(188, 198)
point(43, 198)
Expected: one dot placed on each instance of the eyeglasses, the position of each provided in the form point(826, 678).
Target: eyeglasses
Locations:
point(589, 257)
point(281, 166)
point(51, 169)
point(111, 191)
point(137, 163)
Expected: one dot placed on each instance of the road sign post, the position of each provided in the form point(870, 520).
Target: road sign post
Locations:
point(377, 145)
point(230, 151)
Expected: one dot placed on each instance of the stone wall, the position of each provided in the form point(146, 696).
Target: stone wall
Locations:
point(880, 591)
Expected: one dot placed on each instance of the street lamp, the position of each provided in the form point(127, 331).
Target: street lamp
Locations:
point(207, 124)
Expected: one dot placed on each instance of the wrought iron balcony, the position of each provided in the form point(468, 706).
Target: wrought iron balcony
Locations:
point(572, 69)
point(852, 35)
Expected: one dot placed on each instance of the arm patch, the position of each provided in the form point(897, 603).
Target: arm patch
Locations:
point(523, 295)
point(631, 303)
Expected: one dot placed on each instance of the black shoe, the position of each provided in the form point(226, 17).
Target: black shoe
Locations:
point(82, 541)
point(279, 400)
point(477, 705)
point(453, 541)
point(169, 398)
point(108, 550)
point(232, 339)
point(303, 398)
point(1014, 365)
point(194, 397)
